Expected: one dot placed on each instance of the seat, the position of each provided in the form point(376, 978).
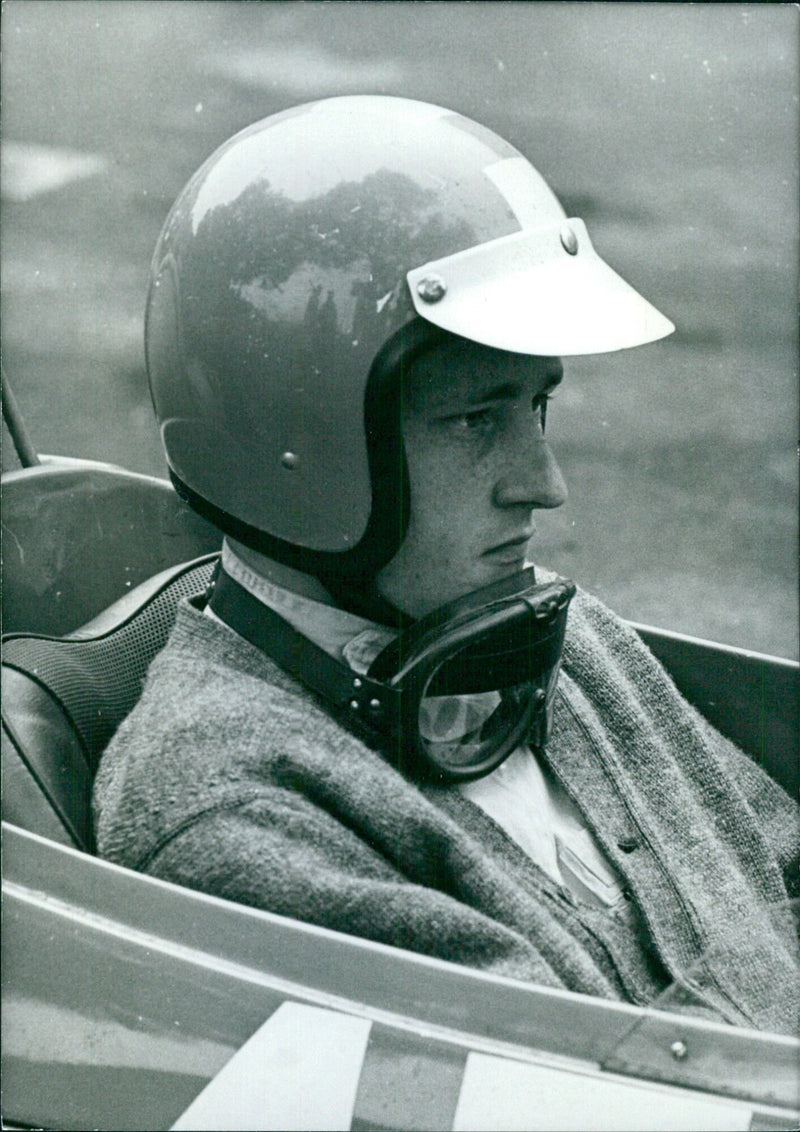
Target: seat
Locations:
point(64, 697)
point(80, 538)
point(78, 534)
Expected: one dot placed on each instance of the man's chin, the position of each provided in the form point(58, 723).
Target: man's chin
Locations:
point(505, 560)
point(489, 572)
point(488, 568)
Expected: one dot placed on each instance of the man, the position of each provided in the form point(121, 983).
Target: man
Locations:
point(353, 331)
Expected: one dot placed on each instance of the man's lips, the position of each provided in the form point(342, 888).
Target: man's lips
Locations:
point(511, 546)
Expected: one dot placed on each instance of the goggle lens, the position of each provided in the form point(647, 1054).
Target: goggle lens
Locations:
point(475, 678)
point(461, 733)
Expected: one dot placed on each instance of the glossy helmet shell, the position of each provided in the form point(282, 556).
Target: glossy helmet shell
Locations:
point(311, 251)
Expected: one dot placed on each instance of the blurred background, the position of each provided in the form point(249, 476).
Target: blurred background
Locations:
point(671, 129)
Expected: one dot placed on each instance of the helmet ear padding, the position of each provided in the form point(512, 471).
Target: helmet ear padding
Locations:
point(350, 576)
point(391, 489)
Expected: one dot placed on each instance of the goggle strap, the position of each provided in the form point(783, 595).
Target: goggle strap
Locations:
point(363, 701)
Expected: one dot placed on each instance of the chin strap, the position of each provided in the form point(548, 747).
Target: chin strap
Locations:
point(362, 703)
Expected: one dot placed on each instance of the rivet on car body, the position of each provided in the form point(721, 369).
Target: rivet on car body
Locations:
point(290, 460)
point(569, 241)
point(432, 288)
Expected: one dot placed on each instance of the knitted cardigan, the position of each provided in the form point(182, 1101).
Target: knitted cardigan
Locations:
point(231, 778)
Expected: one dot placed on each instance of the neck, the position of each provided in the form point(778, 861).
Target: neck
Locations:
point(295, 580)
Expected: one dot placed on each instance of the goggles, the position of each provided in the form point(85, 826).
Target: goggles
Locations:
point(451, 697)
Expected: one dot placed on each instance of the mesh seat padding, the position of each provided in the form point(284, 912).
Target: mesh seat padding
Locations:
point(97, 679)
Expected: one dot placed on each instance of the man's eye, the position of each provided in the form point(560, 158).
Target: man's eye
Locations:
point(473, 421)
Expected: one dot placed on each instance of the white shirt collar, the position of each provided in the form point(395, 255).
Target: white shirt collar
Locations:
point(343, 635)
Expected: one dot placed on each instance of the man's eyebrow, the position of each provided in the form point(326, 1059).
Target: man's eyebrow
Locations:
point(506, 391)
point(510, 390)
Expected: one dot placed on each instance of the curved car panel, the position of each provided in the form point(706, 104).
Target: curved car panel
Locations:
point(125, 996)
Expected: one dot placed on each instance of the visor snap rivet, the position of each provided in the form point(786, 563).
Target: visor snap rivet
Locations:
point(679, 1051)
point(569, 241)
point(290, 460)
point(432, 288)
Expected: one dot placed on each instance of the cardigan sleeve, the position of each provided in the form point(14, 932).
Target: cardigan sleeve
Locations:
point(777, 814)
point(287, 865)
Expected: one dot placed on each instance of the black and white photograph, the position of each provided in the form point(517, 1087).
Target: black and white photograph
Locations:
point(400, 565)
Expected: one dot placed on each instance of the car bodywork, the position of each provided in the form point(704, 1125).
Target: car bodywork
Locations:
point(133, 1003)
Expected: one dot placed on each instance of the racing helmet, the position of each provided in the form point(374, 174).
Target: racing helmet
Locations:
point(310, 259)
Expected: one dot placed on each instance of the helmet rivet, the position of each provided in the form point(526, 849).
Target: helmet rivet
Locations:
point(290, 460)
point(432, 288)
point(679, 1051)
point(569, 241)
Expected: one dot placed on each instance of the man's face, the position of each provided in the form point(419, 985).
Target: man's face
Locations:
point(479, 467)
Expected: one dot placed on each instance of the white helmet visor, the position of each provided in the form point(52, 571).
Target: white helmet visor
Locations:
point(540, 291)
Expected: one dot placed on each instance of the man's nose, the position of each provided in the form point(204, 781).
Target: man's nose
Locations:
point(534, 480)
